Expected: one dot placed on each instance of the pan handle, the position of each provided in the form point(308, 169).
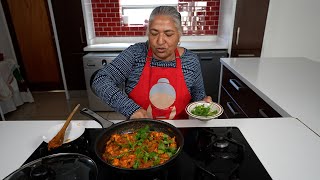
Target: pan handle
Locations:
point(103, 122)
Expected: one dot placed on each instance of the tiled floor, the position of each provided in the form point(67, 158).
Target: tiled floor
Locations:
point(54, 106)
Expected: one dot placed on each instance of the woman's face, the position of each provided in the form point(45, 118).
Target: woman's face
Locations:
point(163, 37)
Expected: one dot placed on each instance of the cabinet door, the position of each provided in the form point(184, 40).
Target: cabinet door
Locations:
point(240, 92)
point(246, 53)
point(230, 107)
point(72, 39)
point(210, 68)
point(238, 100)
point(249, 25)
point(266, 111)
point(31, 33)
point(70, 25)
point(74, 71)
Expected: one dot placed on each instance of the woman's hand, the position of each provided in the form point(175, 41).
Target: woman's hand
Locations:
point(208, 99)
point(140, 113)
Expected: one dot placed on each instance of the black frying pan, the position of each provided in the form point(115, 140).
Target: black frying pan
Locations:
point(129, 126)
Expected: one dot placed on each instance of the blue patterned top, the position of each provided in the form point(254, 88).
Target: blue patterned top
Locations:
point(127, 68)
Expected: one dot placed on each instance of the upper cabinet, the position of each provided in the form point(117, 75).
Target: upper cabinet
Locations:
point(249, 26)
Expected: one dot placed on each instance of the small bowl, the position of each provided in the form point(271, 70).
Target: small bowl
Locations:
point(213, 107)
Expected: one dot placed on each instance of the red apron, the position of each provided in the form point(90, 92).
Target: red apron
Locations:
point(162, 91)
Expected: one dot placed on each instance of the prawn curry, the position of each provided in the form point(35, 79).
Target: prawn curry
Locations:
point(140, 149)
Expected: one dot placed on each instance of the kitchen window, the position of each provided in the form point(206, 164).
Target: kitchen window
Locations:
point(127, 20)
point(137, 12)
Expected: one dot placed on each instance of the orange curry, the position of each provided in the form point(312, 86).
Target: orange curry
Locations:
point(141, 149)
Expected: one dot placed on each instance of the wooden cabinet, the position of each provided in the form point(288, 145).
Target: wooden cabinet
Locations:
point(72, 39)
point(249, 26)
point(239, 101)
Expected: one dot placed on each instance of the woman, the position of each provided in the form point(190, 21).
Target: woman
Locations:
point(161, 78)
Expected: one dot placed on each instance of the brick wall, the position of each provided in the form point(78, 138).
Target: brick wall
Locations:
point(198, 18)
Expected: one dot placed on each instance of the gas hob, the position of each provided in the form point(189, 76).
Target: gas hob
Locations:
point(220, 153)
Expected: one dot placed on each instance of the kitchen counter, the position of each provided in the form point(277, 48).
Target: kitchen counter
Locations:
point(286, 148)
point(289, 85)
point(191, 45)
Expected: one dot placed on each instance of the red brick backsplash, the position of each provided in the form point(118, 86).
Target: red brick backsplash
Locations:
point(199, 20)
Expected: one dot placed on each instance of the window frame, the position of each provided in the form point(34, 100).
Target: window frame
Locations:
point(92, 39)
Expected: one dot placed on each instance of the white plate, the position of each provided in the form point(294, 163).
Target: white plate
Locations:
point(73, 131)
point(213, 106)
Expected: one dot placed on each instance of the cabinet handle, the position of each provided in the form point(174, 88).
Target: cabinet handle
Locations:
point(238, 35)
point(104, 62)
point(91, 65)
point(81, 37)
point(262, 113)
point(234, 113)
point(206, 58)
point(246, 55)
point(236, 84)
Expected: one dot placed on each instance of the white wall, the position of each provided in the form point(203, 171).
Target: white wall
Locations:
point(226, 21)
point(5, 40)
point(292, 29)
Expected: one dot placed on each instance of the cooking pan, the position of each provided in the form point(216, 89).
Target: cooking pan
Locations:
point(130, 126)
point(61, 166)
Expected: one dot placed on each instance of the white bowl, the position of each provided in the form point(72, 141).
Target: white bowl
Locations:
point(213, 106)
point(73, 131)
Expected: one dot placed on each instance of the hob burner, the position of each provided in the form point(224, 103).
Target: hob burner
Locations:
point(220, 155)
point(221, 143)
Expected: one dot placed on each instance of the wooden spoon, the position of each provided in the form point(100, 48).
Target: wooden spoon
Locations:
point(58, 139)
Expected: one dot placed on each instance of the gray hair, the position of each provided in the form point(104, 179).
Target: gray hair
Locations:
point(167, 11)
